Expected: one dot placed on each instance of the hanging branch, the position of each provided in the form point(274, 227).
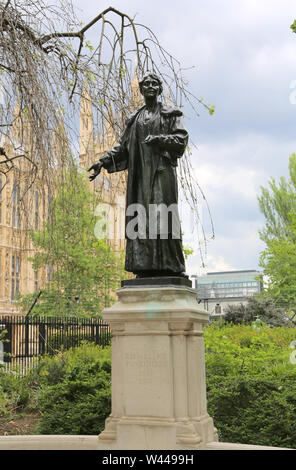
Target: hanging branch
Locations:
point(46, 60)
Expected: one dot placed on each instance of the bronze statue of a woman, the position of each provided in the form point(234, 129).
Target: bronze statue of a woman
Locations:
point(149, 149)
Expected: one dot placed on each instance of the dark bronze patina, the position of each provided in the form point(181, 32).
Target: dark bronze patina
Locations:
point(149, 149)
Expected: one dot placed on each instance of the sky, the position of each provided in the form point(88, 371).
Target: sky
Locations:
point(240, 56)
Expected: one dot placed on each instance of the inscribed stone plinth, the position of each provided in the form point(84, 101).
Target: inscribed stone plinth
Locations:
point(158, 371)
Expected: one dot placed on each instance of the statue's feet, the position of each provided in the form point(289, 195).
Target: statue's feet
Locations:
point(143, 274)
point(183, 275)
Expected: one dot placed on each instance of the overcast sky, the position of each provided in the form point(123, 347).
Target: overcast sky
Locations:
point(244, 58)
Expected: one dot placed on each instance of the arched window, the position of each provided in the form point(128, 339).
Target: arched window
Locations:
point(218, 309)
point(15, 276)
point(16, 214)
point(36, 210)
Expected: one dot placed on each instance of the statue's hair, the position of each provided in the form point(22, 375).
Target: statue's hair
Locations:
point(151, 75)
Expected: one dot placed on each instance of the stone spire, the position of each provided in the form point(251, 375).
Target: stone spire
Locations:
point(136, 97)
point(86, 141)
point(168, 97)
point(106, 138)
point(60, 144)
point(17, 127)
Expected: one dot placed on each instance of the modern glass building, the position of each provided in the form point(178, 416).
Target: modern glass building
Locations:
point(218, 289)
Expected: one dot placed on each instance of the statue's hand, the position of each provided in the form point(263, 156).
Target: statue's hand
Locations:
point(96, 168)
point(152, 139)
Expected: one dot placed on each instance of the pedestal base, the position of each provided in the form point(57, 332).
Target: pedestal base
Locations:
point(158, 371)
point(144, 434)
point(163, 281)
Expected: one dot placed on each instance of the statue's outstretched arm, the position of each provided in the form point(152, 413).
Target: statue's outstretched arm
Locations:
point(114, 160)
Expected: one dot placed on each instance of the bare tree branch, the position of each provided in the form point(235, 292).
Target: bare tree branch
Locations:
point(46, 60)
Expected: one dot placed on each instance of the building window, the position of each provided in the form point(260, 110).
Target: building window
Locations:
point(36, 210)
point(218, 310)
point(106, 184)
point(49, 273)
point(16, 213)
point(15, 276)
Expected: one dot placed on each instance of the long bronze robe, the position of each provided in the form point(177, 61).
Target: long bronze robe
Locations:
point(151, 180)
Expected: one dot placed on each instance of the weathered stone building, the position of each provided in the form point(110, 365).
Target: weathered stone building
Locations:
point(16, 272)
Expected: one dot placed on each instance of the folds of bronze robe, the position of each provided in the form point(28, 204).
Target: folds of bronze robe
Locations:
point(152, 182)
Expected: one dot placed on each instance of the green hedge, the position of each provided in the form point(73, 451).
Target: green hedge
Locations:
point(14, 393)
point(254, 410)
point(74, 391)
point(251, 384)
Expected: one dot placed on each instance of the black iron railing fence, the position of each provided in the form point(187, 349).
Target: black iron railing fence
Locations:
point(28, 338)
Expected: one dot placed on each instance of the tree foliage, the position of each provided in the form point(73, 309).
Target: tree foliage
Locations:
point(278, 260)
point(276, 203)
point(251, 384)
point(81, 269)
point(293, 26)
point(264, 308)
point(46, 61)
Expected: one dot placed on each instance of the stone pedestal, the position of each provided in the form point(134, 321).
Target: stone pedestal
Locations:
point(158, 371)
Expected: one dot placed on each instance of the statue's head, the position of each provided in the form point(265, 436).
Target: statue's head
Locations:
point(150, 77)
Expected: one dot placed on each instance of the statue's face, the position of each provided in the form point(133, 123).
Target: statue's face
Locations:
point(150, 88)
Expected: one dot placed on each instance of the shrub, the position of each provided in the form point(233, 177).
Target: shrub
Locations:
point(251, 384)
point(237, 349)
point(75, 394)
point(254, 410)
point(251, 387)
point(264, 308)
point(14, 393)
